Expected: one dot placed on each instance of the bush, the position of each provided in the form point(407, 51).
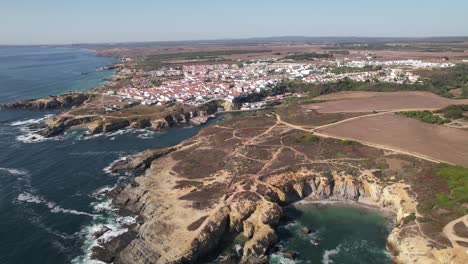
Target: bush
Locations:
point(457, 181)
point(347, 142)
point(425, 116)
point(454, 111)
point(411, 217)
point(307, 138)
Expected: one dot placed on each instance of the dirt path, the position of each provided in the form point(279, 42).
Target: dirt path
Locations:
point(384, 147)
point(449, 231)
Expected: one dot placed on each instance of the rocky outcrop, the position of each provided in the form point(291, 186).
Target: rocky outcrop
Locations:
point(60, 101)
point(141, 161)
point(114, 124)
point(105, 124)
point(229, 183)
point(59, 124)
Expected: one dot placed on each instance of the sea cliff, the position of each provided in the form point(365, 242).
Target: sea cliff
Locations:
point(136, 117)
point(51, 102)
point(231, 181)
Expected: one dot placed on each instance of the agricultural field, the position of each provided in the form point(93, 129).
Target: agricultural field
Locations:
point(395, 132)
point(389, 101)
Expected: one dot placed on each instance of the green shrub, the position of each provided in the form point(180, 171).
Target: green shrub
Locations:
point(457, 181)
point(454, 111)
point(307, 138)
point(347, 142)
point(425, 116)
point(411, 217)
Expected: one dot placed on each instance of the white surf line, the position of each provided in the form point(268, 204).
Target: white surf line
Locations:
point(54, 208)
point(13, 171)
point(31, 121)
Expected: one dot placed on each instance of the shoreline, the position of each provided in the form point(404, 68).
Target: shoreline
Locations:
point(347, 203)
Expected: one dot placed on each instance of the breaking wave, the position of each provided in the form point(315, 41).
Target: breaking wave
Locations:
point(108, 168)
point(54, 208)
point(31, 121)
point(326, 259)
point(107, 222)
point(12, 171)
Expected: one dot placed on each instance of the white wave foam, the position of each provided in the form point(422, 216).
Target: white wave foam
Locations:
point(118, 132)
point(30, 137)
point(15, 171)
point(114, 225)
point(280, 259)
point(108, 168)
point(31, 121)
point(29, 198)
point(103, 191)
point(326, 259)
point(103, 206)
point(54, 208)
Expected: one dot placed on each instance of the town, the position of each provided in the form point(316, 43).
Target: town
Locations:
point(197, 84)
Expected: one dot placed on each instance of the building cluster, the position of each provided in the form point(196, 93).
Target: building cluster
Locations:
point(195, 84)
point(383, 75)
point(201, 83)
point(410, 63)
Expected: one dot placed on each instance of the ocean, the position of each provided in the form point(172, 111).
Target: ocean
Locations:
point(38, 72)
point(339, 233)
point(52, 191)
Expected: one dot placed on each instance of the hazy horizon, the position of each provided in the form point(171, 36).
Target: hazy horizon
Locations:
point(54, 22)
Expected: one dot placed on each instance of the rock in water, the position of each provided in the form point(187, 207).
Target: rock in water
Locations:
point(290, 255)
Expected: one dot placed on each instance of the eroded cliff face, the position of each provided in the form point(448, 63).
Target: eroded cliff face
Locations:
point(233, 178)
point(60, 101)
point(151, 117)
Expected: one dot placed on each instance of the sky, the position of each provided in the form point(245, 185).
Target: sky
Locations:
point(105, 21)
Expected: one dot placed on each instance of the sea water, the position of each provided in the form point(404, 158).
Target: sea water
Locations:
point(52, 190)
point(339, 233)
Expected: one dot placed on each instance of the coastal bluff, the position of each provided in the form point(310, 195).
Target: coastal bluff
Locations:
point(52, 102)
point(229, 183)
point(94, 117)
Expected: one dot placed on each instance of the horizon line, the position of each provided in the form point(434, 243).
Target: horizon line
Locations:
point(271, 38)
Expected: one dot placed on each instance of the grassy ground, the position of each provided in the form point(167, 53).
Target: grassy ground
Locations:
point(457, 181)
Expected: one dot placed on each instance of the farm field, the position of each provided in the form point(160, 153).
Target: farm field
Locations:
point(353, 102)
point(406, 135)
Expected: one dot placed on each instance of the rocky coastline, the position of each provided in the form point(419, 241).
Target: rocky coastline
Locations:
point(198, 195)
point(52, 102)
point(101, 123)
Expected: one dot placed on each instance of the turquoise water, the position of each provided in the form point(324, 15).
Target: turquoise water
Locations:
point(343, 234)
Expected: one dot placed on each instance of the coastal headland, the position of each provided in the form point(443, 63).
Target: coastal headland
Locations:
point(231, 180)
point(321, 131)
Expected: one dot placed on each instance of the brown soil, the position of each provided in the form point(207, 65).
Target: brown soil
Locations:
point(437, 142)
point(460, 229)
point(308, 117)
